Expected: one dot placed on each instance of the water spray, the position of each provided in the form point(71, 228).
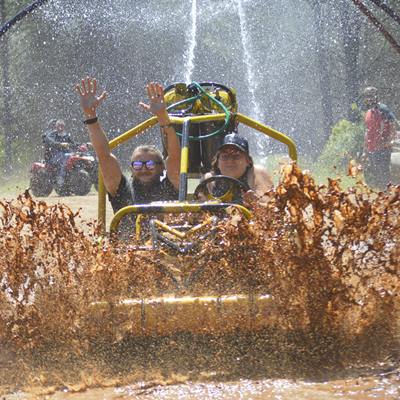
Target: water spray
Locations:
point(381, 4)
point(24, 12)
point(192, 44)
point(247, 61)
point(378, 24)
point(249, 69)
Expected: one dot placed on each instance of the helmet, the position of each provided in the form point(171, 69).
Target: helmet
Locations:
point(52, 123)
point(371, 92)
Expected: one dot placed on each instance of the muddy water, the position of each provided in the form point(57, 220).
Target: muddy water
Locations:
point(375, 387)
point(330, 260)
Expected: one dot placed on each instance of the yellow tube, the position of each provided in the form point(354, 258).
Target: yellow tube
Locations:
point(198, 315)
point(270, 132)
point(172, 207)
point(172, 231)
point(184, 160)
point(133, 132)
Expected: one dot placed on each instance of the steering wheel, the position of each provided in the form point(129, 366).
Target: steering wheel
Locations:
point(225, 181)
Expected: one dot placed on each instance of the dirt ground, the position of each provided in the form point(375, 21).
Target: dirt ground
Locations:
point(87, 204)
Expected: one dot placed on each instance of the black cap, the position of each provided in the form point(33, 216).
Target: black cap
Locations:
point(233, 139)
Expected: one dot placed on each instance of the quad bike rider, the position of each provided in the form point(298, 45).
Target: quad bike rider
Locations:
point(69, 168)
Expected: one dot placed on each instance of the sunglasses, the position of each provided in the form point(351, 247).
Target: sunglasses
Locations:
point(230, 156)
point(149, 164)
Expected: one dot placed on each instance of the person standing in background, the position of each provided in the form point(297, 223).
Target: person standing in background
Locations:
point(379, 135)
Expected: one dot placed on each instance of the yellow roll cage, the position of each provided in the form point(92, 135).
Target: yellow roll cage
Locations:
point(183, 206)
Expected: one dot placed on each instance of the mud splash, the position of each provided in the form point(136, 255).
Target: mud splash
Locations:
point(329, 258)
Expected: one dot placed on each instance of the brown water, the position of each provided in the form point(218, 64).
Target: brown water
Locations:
point(329, 258)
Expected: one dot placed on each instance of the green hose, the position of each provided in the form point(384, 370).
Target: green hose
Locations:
point(213, 99)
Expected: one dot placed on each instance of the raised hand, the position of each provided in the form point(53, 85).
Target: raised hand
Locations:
point(89, 100)
point(157, 106)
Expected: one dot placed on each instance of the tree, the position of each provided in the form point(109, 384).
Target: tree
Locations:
point(324, 73)
point(350, 24)
point(6, 114)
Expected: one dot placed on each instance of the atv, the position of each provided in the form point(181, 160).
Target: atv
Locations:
point(81, 173)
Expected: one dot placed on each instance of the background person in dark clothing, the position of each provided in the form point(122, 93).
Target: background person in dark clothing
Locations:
point(51, 127)
point(379, 134)
point(58, 144)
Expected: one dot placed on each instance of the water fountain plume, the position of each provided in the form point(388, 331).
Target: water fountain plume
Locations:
point(189, 56)
point(250, 75)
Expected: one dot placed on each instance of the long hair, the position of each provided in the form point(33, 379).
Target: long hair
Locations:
point(214, 164)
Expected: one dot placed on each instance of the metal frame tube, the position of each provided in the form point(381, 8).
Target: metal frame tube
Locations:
point(183, 178)
point(174, 208)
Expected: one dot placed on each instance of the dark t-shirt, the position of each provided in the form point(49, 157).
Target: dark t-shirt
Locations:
point(131, 192)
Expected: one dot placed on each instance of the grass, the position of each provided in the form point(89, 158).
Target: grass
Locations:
point(319, 172)
point(11, 187)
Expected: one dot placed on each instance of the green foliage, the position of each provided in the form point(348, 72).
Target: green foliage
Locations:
point(344, 144)
point(318, 171)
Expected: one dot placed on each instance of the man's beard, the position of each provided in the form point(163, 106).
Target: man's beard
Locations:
point(154, 180)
